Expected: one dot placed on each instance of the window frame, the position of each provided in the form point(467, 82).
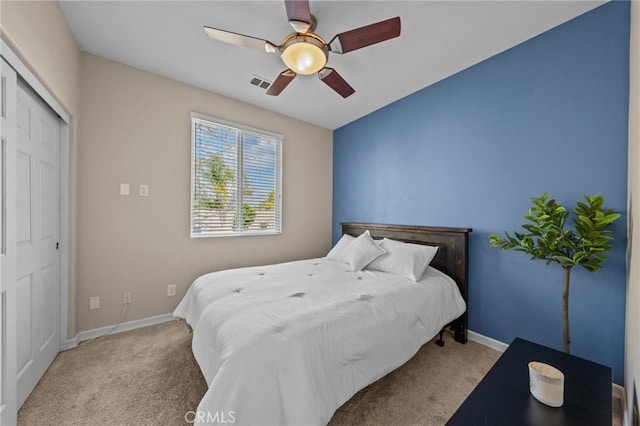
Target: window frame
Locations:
point(193, 116)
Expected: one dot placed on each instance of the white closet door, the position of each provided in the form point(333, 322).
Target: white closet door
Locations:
point(37, 270)
point(8, 402)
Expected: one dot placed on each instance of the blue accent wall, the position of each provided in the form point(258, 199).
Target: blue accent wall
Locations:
point(547, 115)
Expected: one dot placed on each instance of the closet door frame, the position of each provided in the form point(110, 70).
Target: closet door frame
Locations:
point(23, 72)
point(8, 259)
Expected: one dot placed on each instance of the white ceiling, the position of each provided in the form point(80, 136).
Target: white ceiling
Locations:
point(438, 39)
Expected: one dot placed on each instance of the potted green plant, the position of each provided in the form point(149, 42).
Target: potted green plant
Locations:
point(548, 238)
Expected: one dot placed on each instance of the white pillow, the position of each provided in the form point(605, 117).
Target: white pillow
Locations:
point(362, 251)
point(405, 259)
point(337, 252)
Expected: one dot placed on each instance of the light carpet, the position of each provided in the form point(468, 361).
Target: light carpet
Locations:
point(149, 377)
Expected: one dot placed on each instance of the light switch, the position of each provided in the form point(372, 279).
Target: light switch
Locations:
point(124, 189)
point(144, 190)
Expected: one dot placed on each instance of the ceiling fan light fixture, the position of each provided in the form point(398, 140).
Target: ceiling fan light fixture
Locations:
point(304, 54)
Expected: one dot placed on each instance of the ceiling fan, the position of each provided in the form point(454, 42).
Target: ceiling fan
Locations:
point(304, 52)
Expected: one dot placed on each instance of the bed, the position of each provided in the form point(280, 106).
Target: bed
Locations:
point(288, 344)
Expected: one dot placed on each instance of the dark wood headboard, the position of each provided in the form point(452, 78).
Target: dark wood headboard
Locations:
point(452, 256)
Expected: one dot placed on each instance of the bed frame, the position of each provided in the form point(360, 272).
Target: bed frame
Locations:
point(452, 256)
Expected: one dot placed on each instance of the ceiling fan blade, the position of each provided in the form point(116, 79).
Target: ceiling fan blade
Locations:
point(299, 15)
point(331, 78)
point(365, 36)
point(281, 82)
point(240, 40)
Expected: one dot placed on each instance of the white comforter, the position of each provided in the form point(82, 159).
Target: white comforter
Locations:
point(288, 344)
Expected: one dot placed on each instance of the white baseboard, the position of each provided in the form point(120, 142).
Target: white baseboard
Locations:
point(619, 392)
point(487, 341)
point(125, 326)
point(71, 343)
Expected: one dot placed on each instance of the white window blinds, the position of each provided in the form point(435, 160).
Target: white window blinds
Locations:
point(236, 179)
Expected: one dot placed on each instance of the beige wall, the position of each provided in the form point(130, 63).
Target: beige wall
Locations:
point(38, 33)
point(136, 129)
point(632, 355)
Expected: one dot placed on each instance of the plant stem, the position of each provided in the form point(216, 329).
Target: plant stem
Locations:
point(565, 309)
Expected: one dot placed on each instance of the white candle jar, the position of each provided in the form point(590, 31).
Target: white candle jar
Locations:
point(546, 384)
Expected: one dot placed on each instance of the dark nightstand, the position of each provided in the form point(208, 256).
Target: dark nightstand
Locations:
point(503, 397)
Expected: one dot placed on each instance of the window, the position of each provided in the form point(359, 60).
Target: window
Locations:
point(235, 179)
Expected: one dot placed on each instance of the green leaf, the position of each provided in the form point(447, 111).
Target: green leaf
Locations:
point(546, 236)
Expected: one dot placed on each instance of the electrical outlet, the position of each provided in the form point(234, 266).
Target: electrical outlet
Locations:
point(94, 302)
point(126, 297)
point(144, 190)
point(171, 290)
